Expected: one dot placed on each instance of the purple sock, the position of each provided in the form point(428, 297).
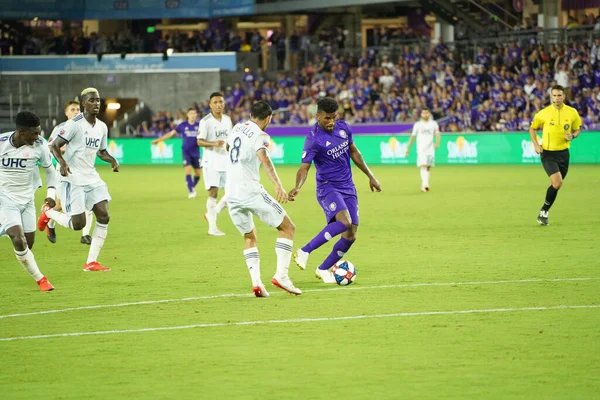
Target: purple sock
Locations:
point(190, 184)
point(196, 180)
point(339, 250)
point(329, 232)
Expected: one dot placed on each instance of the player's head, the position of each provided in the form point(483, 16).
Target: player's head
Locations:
point(191, 115)
point(216, 102)
point(327, 113)
point(558, 95)
point(261, 114)
point(90, 100)
point(28, 127)
point(72, 109)
point(425, 114)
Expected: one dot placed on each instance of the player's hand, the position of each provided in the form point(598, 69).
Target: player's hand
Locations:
point(155, 141)
point(219, 143)
point(538, 149)
point(115, 166)
point(374, 185)
point(568, 136)
point(50, 201)
point(281, 195)
point(293, 193)
point(407, 153)
point(437, 145)
point(65, 170)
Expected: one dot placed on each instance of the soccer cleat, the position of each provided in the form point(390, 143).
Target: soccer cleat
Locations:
point(542, 218)
point(94, 266)
point(44, 285)
point(193, 194)
point(43, 218)
point(87, 239)
point(260, 291)
point(301, 258)
point(51, 234)
point(215, 232)
point(325, 275)
point(286, 284)
point(424, 189)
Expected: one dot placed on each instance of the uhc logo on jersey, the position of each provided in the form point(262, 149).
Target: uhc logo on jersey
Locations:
point(14, 163)
point(91, 142)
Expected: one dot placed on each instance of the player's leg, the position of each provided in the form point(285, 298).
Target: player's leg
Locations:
point(211, 184)
point(424, 162)
point(332, 204)
point(51, 229)
point(11, 217)
point(85, 232)
point(73, 197)
point(552, 166)
point(197, 170)
point(97, 198)
point(268, 210)
point(242, 219)
point(223, 202)
point(187, 168)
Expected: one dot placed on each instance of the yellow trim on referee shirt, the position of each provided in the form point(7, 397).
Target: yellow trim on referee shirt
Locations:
point(555, 124)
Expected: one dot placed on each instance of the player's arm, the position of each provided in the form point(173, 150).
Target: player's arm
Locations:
point(104, 155)
point(52, 176)
point(166, 136)
point(267, 164)
point(362, 165)
point(301, 176)
point(438, 137)
point(203, 135)
point(535, 124)
point(55, 149)
point(576, 126)
point(411, 140)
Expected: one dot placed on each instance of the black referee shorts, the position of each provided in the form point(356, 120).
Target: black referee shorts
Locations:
point(556, 161)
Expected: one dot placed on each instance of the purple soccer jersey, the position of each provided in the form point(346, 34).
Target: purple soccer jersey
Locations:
point(189, 132)
point(330, 152)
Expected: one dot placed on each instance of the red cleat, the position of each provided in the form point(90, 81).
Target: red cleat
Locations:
point(44, 285)
point(43, 219)
point(94, 266)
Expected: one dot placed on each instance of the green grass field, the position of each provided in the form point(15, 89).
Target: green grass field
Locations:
point(459, 294)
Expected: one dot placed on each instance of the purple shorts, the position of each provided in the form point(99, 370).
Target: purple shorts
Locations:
point(191, 160)
point(333, 202)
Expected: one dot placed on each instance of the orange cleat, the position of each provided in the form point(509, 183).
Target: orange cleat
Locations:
point(94, 266)
point(44, 285)
point(43, 219)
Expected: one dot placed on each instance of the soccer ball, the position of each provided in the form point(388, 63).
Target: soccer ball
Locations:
point(344, 272)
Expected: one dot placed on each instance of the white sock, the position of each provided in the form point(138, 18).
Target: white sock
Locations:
point(52, 224)
point(211, 215)
point(253, 264)
point(28, 262)
point(424, 176)
point(221, 204)
point(89, 216)
point(283, 249)
point(98, 238)
point(61, 218)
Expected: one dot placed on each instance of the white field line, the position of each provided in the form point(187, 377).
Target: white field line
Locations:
point(350, 288)
point(303, 320)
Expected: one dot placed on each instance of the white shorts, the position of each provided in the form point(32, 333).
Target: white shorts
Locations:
point(76, 199)
point(261, 204)
point(13, 214)
point(214, 178)
point(426, 159)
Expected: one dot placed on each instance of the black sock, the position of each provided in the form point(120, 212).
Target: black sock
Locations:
point(550, 197)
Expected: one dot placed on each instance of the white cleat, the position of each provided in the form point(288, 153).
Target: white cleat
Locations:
point(215, 232)
point(260, 291)
point(286, 284)
point(325, 275)
point(425, 189)
point(192, 195)
point(301, 259)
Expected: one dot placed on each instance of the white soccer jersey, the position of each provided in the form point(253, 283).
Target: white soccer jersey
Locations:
point(84, 143)
point(425, 132)
point(243, 176)
point(55, 132)
point(211, 130)
point(17, 166)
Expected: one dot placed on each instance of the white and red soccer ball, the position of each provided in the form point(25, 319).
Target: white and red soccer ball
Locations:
point(344, 272)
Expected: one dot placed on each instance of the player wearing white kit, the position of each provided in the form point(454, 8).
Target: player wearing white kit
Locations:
point(212, 135)
point(248, 147)
point(71, 110)
point(20, 153)
point(81, 187)
point(424, 130)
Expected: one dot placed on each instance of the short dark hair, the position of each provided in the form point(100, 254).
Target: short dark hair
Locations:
point(558, 87)
point(261, 110)
point(191, 109)
point(70, 103)
point(327, 105)
point(27, 119)
point(215, 94)
point(425, 109)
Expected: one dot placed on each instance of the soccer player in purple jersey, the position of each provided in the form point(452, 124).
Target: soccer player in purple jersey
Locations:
point(331, 147)
point(191, 151)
